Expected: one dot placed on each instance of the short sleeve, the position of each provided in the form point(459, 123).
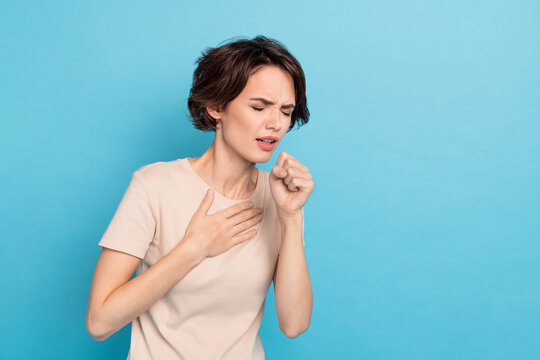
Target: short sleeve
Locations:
point(133, 225)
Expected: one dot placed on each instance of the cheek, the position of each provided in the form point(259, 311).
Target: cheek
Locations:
point(240, 127)
point(247, 122)
point(288, 121)
point(285, 125)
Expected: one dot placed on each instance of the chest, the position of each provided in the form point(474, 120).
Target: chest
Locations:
point(244, 269)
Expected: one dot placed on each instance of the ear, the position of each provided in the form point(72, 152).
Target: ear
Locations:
point(213, 112)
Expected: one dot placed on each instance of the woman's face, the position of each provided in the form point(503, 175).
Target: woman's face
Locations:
point(249, 117)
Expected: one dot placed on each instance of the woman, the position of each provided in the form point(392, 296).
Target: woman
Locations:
point(213, 232)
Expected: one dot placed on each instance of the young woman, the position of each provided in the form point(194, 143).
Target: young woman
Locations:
point(208, 235)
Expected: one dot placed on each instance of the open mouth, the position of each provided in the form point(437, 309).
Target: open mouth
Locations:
point(266, 141)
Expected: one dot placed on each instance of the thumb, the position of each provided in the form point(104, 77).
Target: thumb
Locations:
point(206, 202)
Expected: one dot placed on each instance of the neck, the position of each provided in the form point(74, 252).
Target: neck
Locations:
point(229, 174)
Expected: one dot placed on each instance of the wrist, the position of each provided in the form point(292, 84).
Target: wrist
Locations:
point(190, 251)
point(291, 219)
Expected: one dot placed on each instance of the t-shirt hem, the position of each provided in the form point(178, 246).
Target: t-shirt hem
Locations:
point(131, 251)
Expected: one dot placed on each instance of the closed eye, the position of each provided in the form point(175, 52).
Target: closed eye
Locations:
point(261, 109)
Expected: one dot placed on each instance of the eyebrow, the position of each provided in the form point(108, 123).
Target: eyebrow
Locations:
point(268, 102)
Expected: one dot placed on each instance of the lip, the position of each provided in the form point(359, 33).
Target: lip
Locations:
point(269, 138)
point(264, 146)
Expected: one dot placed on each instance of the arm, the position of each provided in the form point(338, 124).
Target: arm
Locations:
point(292, 285)
point(115, 300)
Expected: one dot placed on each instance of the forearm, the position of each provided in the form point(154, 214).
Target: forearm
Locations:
point(292, 285)
point(136, 296)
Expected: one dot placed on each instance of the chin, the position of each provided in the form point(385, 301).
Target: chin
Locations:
point(260, 158)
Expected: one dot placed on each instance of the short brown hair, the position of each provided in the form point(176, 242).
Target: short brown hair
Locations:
point(222, 74)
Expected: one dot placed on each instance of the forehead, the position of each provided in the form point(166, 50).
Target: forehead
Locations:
point(272, 83)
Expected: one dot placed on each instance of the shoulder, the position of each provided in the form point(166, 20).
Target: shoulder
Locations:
point(158, 173)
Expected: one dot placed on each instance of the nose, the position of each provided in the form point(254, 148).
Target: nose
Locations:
point(274, 120)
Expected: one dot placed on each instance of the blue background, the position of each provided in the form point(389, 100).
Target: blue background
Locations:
point(422, 233)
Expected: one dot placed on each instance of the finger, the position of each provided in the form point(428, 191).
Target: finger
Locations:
point(243, 226)
point(243, 216)
point(278, 172)
point(295, 172)
point(287, 161)
point(236, 208)
point(283, 163)
point(206, 202)
point(290, 161)
point(281, 158)
point(300, 184)
point(245, 236)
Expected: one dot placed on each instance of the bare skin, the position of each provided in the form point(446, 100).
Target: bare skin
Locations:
point(115, 300)
point(228, 166)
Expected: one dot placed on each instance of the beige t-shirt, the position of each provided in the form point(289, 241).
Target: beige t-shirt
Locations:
point(216, 310)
